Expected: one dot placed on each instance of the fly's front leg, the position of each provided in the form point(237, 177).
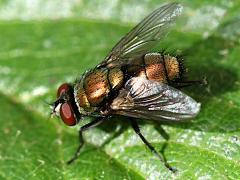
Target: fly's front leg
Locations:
point(90, 125)
point(137, 130)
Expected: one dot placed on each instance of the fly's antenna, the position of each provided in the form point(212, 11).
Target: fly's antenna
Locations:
point(52, 107)
point(45, 102)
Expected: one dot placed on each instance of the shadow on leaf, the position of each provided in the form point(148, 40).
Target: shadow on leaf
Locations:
point(217, 114)
point(205, 59)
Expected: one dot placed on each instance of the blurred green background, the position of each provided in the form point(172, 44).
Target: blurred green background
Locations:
point(44, 43)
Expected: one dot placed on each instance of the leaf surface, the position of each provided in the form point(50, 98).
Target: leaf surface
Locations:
point(36, 56)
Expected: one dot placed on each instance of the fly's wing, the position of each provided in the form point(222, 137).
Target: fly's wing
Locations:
point(142, 98)
point(144, 36)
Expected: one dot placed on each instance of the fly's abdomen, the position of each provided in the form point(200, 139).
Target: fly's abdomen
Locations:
point(174, 67)
point(154, 67)
point(157, 67)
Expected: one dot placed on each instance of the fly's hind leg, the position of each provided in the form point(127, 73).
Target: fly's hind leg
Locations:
point(137, 130)
point(164, 134)
point(88, 126)
point(190, 83)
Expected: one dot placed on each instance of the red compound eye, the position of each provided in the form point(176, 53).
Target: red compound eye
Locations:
point(63, 88)
point(67, 114)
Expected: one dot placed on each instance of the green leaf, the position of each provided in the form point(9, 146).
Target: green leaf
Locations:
point(37, 55)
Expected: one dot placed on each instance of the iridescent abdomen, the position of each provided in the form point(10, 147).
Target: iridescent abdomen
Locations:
point(156, 67)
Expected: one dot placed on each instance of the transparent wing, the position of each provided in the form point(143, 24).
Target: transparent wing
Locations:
point(144, 36)
point(142, 98)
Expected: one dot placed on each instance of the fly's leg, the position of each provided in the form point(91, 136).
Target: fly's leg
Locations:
point(165, 144)
point(88, 126)
point(190, 83)
point(163, 133)
point(137, 130)
point(186, 84)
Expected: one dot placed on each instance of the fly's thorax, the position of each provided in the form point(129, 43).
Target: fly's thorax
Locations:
point(156, 67)
point(115, 77)
point(81, 99)
point(95, 87)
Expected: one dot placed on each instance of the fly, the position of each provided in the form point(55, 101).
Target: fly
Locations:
point(131, 81)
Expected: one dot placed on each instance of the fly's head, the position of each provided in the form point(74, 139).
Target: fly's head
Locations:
point(65, 105)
